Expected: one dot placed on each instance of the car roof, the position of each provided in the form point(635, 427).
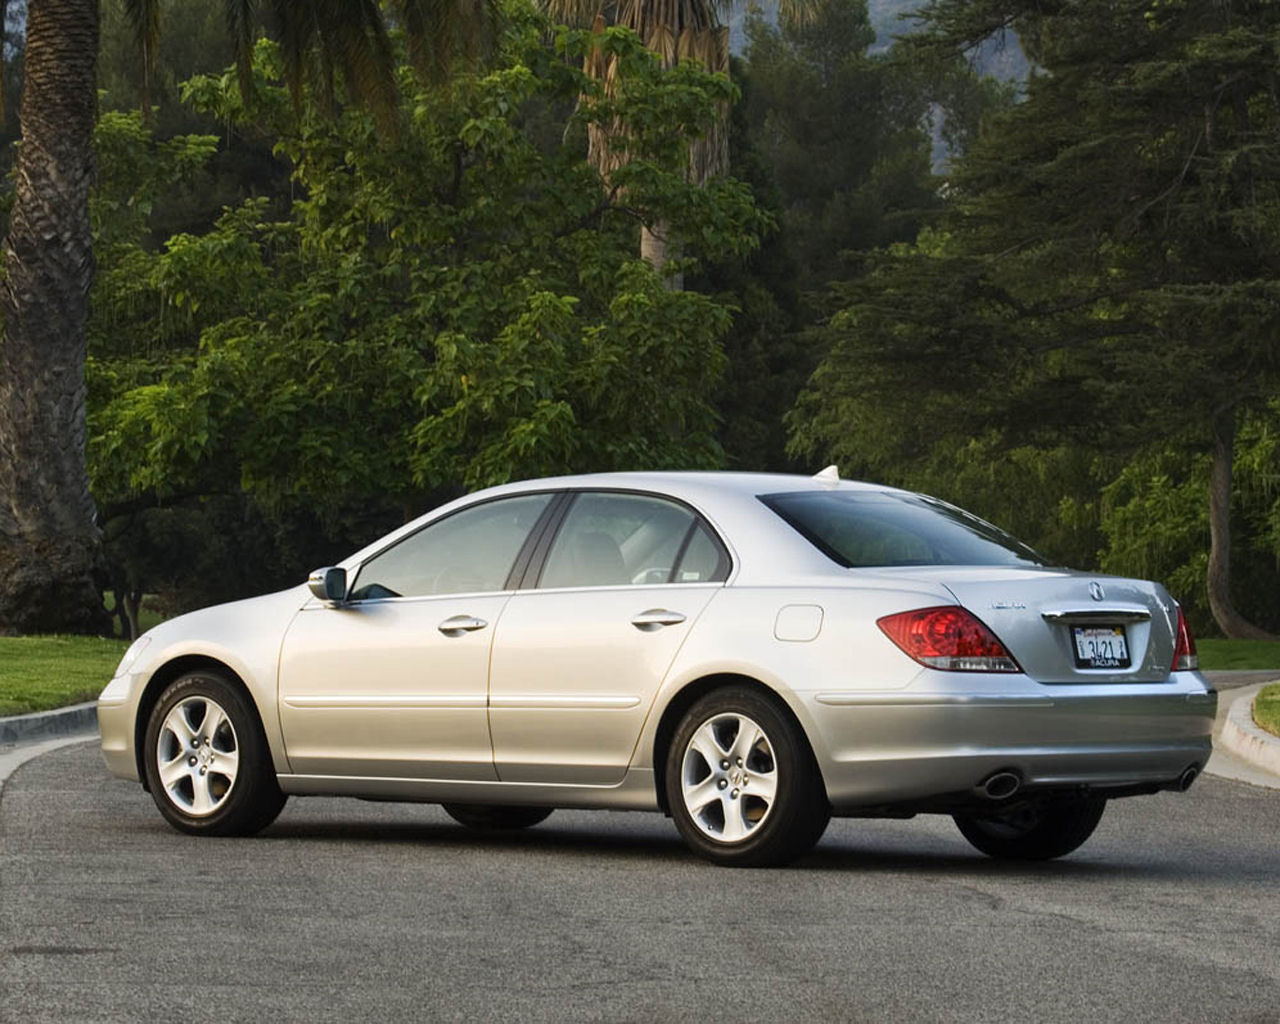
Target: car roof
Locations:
point(687, 483)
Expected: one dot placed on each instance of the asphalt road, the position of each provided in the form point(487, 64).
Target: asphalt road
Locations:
point(346, 911)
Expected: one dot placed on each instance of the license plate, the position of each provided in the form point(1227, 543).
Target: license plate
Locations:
point(1100, 647)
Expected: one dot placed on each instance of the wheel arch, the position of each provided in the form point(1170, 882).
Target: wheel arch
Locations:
point(161, 678)
point(690, 694)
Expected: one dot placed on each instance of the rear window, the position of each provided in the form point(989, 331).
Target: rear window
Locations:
point(861, 529)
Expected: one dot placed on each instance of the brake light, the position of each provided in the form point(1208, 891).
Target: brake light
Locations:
point(948, 638)
point(1184, 649)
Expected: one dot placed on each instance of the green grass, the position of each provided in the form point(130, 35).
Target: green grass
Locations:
point(1258, 655)
point(38, 673)
point(1266, 708)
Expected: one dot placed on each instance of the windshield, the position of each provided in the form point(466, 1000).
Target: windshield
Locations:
point(860, 529)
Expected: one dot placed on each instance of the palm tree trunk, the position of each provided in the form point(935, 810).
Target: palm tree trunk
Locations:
point(49, 544)
point(1230, 621)
point(655, 248)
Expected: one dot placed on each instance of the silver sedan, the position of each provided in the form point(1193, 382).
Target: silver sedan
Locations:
point(750, 654)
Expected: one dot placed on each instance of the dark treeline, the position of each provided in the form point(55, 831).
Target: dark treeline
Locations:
point(1051, 301)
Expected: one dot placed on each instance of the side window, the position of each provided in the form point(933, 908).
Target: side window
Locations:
point(703, 560)
point(620, 539)
point(471, 551)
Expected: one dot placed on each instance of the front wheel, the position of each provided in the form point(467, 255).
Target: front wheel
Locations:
point(496, 817)
point(206, 759)
point(1039, 831)
point(741, 781)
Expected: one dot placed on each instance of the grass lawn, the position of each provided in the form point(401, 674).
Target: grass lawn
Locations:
point(1266, 708)
point(1241, 654)
point(42, 672)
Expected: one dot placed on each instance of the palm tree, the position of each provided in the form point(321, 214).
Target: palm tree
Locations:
point(48, 540)
point(50, 553)
point(675, 30)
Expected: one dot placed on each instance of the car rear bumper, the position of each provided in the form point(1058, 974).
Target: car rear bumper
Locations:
point(946, 739)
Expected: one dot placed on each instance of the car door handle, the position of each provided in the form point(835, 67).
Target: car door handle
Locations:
point(456, 625)
point(656, 618)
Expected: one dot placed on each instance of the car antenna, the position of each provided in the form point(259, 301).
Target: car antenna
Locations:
point(831, 474)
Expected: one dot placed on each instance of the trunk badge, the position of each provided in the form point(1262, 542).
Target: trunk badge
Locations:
point(1006, 605)
point(1095, 591)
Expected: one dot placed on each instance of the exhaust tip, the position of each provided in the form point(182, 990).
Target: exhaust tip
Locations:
point(1187, 777)
point(1001, 785)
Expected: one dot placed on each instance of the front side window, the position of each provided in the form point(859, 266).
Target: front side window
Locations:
point(862, 529)
point(631, 539)
point(471, 551)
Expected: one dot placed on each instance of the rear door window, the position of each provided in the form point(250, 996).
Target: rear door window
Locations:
point(612, 539)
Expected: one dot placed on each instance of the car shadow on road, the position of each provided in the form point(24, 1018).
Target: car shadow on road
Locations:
point(456, 837)
point(627, 847)
point(1080, 865)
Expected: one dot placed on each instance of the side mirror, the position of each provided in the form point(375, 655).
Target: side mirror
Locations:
point(329, 584)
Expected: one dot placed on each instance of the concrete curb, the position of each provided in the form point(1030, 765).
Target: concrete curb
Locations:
point(13, 758)
point(1244, 738)
point(41, 725)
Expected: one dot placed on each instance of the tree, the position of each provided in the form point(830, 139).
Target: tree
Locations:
point(683, 30)
point(1109, 275)
point(48, 540)
point(844, 133)
point(835, 140)
point(50, 568)
point(373, 351)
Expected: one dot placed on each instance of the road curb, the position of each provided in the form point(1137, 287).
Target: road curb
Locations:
point(41, 725)
point(1249, 742)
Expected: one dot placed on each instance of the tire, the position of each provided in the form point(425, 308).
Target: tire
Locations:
point(212, 783)
point(1034, 831)
point(729, 740)
point(496, 817)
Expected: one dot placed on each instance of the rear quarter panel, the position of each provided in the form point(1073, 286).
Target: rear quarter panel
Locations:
point(739, 634)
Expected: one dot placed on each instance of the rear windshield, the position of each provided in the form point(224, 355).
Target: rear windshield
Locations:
point(872, 528)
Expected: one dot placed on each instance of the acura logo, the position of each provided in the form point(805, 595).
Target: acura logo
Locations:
point(1096, 592)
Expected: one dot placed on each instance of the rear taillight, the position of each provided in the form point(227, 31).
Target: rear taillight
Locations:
point(1184, 649)
point(948, 638)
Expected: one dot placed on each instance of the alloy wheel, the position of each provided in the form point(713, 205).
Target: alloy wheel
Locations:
point(729, 777)
point(197, 756)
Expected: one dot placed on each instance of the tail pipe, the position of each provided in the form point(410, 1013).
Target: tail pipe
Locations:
point(1187, 777)
point(1001, 785)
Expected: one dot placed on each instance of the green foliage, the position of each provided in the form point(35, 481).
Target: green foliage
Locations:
point(193, 40)
point(833, 137)
point(455, 307)
point(843, 133)
point(1156, 523)
point(1104, 283)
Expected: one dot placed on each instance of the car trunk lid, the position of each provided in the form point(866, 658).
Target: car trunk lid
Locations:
point(1064, 626)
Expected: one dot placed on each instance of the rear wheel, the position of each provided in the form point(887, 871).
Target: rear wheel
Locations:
point(741, 782)
point(1039, 831)
point(496, 817)
point(206, 759)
